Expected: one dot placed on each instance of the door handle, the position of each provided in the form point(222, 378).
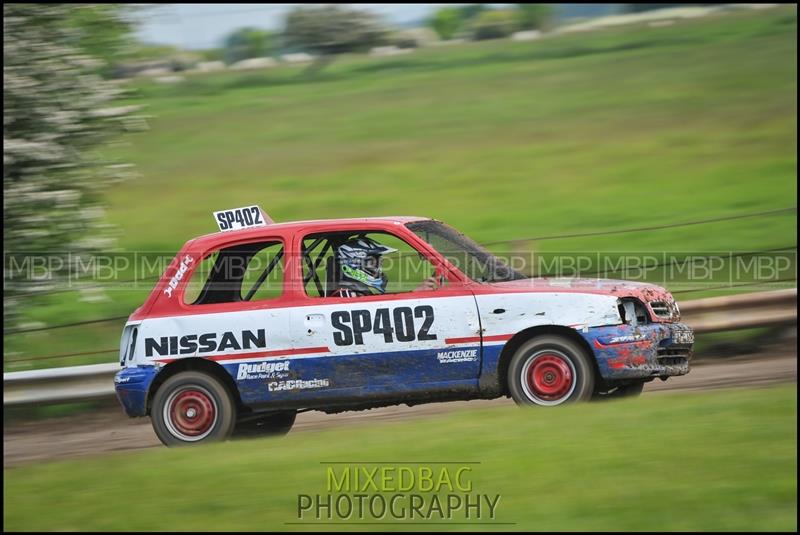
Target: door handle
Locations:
point(314, 322)
point(315, 319)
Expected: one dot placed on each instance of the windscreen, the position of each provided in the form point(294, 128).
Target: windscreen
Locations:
point(473, 260)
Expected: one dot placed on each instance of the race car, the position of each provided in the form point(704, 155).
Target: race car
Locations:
point(252, 324)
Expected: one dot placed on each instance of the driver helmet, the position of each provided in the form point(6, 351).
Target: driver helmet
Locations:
point(359, 262)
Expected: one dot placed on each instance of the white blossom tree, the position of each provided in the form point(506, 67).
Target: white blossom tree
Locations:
point(57, 124)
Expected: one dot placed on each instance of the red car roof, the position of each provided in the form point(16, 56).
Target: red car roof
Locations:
point(293, 226)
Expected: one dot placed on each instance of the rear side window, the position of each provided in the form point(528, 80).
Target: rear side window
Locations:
point(244, 272)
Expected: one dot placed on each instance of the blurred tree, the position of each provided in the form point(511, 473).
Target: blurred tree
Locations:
point(413, 38)
point(534, 16)
point(330, 29)
point(470, 11)
point(103, 31)
point(446, 22)
point(55, 127)
point(246, 43)
point(494, 24)
point(449, 21)
point(212, 54)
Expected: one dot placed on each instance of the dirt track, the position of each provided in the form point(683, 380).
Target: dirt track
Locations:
point(109, 430)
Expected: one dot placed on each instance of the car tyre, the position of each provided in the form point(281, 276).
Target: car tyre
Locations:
point(631, 390)
point(550, 370)
point(269, 425)
point(192, 408)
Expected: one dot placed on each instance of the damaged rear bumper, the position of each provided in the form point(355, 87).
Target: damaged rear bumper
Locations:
point(132, 385)
point(642, 351)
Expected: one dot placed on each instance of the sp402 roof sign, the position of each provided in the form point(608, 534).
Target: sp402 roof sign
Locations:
point(240, 218)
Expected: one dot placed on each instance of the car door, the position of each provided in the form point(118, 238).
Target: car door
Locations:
point(397, 342)
point(234, 312)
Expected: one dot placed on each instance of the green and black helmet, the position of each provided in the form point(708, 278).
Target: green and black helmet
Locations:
point(359, 262)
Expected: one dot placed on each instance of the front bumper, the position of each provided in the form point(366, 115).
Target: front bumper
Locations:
point(642, 351)
point(132, 385)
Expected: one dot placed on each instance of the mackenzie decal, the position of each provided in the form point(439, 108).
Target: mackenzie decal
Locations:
point(205, 343)
point(465, 355)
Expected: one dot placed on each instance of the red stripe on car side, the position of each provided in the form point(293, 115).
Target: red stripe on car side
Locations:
point(268, 354)
point(257, 354)
point(466, 339)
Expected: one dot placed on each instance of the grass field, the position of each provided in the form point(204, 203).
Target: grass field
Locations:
point(612, 129)
point(724, 460)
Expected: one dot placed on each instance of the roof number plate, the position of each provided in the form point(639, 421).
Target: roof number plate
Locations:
point(240, 218)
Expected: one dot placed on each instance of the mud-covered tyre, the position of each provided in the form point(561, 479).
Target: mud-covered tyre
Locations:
point(626, 391)
point(192, 408)
point(550, 370)
point(269, 425)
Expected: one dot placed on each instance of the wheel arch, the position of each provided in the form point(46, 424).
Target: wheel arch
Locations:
point(533, 332)
point(199, 365)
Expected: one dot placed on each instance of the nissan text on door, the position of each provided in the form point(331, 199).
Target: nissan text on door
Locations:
point(250, 325)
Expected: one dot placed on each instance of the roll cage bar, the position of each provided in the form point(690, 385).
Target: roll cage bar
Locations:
point(330, 242)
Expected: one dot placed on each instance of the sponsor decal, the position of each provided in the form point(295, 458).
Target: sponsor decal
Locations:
point(462, 355)
point(120, 380)
point(239, 218)
point(191, 344)
point(683, 336)
point(393, 324)
point(173, 283)
point(263, 370)
point(626, 339)
point(298, 384)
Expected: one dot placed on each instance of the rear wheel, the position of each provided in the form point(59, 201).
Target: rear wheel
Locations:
point(192, 408)
point(268, 425)
point(550, 370)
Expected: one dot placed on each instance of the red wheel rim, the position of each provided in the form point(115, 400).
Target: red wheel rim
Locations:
point(550, 377)
point(192, 412)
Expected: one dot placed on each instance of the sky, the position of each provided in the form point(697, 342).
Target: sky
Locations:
point(198, 26)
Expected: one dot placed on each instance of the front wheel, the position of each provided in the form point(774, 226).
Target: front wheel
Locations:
point(550, 370)
point(192, 408)
point(631, 390)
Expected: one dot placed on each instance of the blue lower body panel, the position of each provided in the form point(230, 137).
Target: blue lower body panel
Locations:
point(132, 385)
point(362, 375)
point(279, 381)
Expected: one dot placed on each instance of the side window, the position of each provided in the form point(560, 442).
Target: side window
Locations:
point(244, 272)
point(318, 264)
point(263, 277)
point(199, 277)
point(405, 268)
